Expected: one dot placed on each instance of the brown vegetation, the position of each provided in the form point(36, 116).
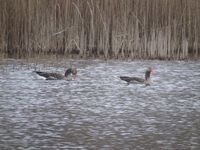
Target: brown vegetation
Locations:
point(164, 29)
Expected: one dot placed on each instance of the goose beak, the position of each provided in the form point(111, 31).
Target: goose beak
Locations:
point(73, 76)
point(152, 70)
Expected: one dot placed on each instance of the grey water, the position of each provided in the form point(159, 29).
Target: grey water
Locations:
point(98, 110)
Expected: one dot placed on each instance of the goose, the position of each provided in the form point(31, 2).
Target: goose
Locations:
point(145, 80)
point(70, 74)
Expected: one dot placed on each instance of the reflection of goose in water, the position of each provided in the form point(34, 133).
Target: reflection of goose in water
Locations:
point(70, 74)
point(146, 80)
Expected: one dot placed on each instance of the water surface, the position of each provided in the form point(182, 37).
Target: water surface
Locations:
point(98, 110)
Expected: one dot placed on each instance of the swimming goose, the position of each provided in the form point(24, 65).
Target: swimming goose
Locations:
point(146, 80)
point(70, 74)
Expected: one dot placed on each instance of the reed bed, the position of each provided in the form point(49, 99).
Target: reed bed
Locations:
point(148, 29)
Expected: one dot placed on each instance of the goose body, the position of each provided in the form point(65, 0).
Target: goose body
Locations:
point(136, 80)
point(70, 74)
point(132, 79)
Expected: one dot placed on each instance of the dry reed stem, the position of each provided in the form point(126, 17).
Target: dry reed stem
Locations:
point(163, 29)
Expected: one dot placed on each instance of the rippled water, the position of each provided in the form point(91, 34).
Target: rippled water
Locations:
point(98, 110)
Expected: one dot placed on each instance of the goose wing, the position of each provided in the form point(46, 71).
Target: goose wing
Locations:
point(131, 79)
point(50, 76)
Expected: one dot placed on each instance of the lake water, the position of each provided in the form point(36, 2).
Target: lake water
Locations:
point(98, 110)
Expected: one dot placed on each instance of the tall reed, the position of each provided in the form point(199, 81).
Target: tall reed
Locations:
point(164, 29)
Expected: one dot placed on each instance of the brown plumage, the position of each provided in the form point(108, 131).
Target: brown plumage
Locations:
point(70, 74)
point(137, 79)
